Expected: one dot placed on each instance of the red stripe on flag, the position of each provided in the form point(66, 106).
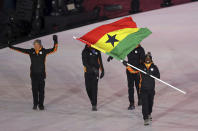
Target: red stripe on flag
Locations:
point(94, 35)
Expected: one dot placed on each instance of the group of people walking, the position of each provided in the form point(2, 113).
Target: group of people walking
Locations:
point(93, 71)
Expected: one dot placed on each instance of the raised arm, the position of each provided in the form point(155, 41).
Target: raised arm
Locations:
point(25, 51)
point(54, 49)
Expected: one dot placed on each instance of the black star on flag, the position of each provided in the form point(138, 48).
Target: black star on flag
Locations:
point(112, 39)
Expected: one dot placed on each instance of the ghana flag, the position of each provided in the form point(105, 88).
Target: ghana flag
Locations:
point(116, 39)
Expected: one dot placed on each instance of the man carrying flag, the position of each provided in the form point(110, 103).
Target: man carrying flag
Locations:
point(147, 87)
point(92, 62)
point(117, 40)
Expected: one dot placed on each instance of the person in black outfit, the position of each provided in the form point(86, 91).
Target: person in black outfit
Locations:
point(37, 69)
point(92, 62)
point(135, 58)
point(147, 85)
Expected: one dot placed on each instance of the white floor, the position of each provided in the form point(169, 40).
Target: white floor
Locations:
point(174, 45)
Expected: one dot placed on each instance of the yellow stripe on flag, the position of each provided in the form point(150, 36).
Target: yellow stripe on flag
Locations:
point(120, 35)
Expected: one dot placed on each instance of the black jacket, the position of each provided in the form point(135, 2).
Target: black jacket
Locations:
point(136, 57)
point(146, 82)
point(37, 67)
point(91, 60)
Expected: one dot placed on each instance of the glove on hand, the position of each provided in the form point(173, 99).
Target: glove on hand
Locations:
point(124, 63)
point(109, 58)
point(55, 38)
point(102, 74)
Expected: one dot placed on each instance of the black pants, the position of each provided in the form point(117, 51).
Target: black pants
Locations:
point(133, 78)
point(147, 102)
point(91, 83)
point(38, 90)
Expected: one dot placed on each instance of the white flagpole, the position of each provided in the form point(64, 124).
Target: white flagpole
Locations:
point(156, 78)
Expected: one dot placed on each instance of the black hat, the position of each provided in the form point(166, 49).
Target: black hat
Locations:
point(149, 55)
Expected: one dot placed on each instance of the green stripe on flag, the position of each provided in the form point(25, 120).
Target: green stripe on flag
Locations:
point(129, 43)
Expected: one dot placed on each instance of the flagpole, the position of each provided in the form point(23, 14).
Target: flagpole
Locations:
point(156, 78)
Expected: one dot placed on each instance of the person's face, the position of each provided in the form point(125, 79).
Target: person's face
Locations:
point(37, 46)
point(148, 60)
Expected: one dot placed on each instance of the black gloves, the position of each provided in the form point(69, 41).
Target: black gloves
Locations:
point(124, 63)
point(102, 74)
point(109, 58)
point(55, 38)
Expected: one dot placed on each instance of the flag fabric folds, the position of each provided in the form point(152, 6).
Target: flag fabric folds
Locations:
point(116, 39)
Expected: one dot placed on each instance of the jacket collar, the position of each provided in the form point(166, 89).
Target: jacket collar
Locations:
point(148, 65)
point(37, 51)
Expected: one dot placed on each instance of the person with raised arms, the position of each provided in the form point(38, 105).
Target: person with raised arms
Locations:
point(37, 69)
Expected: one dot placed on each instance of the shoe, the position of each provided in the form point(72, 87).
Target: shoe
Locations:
point(146, 122)
point(131, 107)
point(41, 108)
point(34, 107)
point(139, 102)
point(150, 117)
point(94, 108)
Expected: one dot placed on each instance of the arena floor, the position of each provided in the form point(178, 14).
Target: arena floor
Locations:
point(174, 48)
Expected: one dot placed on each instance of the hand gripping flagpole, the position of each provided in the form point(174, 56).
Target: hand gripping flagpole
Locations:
point(151, 75)
point(155, 78)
